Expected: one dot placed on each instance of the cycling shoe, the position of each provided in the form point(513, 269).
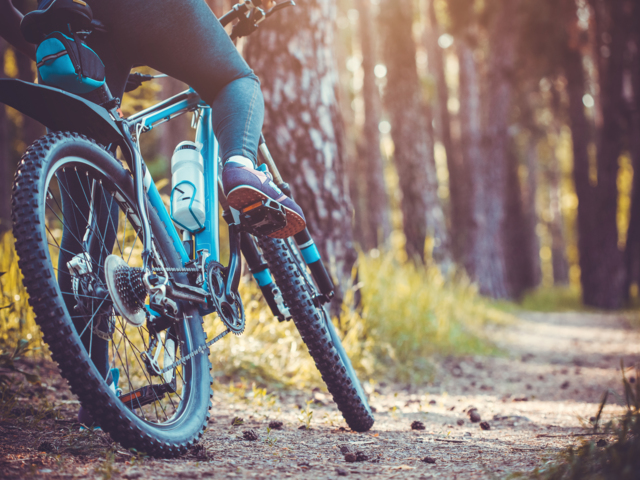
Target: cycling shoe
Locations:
point(244, 186)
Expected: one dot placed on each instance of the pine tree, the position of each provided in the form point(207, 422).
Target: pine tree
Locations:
point(292, 54)
point(413, 146)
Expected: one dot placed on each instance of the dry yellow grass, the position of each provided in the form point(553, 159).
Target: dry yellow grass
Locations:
point(407, 314)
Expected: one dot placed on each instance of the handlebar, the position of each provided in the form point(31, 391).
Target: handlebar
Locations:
point(249, 23)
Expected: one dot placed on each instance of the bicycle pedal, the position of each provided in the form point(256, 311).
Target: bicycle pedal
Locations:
point(146, 395)
point(263, 217)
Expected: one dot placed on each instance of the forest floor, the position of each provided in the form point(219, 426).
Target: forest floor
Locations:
point(536, 398)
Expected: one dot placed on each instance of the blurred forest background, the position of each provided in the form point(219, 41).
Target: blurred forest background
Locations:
point(444, 146)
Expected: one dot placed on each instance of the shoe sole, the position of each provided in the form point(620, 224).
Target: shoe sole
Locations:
point(243, 196)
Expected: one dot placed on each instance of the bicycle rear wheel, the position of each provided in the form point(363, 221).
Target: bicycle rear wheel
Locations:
point(318, 332)
point(73, 206)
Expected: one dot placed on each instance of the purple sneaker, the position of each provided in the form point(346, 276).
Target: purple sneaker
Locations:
point(246, 186)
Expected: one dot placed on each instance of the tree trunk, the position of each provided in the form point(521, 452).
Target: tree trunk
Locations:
point(6, 171)
point(530, 249)
point(458, 178)
point(487, 258)
point(581, 137)
point(519, 230)
point(377, 222)
point(421, 209)
point(292, 54)
point(556, 227)
point(471, 148)
point(553, 177)
point(632, 250)
point(605, 288)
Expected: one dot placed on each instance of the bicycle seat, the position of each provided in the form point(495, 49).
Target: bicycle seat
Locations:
point(53, 15)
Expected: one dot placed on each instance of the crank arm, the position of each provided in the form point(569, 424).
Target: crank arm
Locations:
point(233, 270)
point(187, 293)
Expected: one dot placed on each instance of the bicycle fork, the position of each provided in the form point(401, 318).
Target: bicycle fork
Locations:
point(241, 241)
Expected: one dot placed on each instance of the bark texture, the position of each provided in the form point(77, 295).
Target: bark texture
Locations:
point(471, 146)
point(458, 176)
point(421, 208)
point(292, 55)
point(376, 224)
point(486, 261)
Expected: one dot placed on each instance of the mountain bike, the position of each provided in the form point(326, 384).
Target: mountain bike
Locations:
point(124, 288)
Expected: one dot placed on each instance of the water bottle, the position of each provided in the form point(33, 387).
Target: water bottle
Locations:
point(187, 196)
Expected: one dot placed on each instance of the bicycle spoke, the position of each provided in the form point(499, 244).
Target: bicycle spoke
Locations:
point(92, 225)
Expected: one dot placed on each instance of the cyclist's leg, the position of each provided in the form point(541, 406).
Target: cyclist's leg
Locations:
point(183, 39)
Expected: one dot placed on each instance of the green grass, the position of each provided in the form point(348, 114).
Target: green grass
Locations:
point(554, 299)
point(408, 316)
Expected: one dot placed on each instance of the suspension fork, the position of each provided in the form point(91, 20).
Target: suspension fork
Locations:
point(303, 239)
point(260, 271)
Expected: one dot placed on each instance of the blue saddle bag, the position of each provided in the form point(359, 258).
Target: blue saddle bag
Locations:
point(66, 62)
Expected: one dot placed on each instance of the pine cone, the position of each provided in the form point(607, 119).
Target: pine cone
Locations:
point(350, 458)
point(485, 426)
point(200, 452)
point(276, 425)
point(474, 416)
point(250, 435)
point(417, 425)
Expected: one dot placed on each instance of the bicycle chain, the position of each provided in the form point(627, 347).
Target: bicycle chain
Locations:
point(200, 350)
point(183, 270)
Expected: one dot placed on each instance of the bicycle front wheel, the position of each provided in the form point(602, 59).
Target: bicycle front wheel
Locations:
point(318, 333)
point(73, 206)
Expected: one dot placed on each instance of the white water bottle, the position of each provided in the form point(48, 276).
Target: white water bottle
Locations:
point(187, 196)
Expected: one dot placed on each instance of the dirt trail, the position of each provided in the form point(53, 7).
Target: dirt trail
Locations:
point(534, 398)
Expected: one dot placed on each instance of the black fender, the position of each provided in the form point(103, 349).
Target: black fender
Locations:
point(61, 111)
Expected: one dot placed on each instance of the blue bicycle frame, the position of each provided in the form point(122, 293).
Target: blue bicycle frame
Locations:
point(188, 101)
point(206, 238)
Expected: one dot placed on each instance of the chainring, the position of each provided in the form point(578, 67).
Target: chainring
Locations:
point(230, 310)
